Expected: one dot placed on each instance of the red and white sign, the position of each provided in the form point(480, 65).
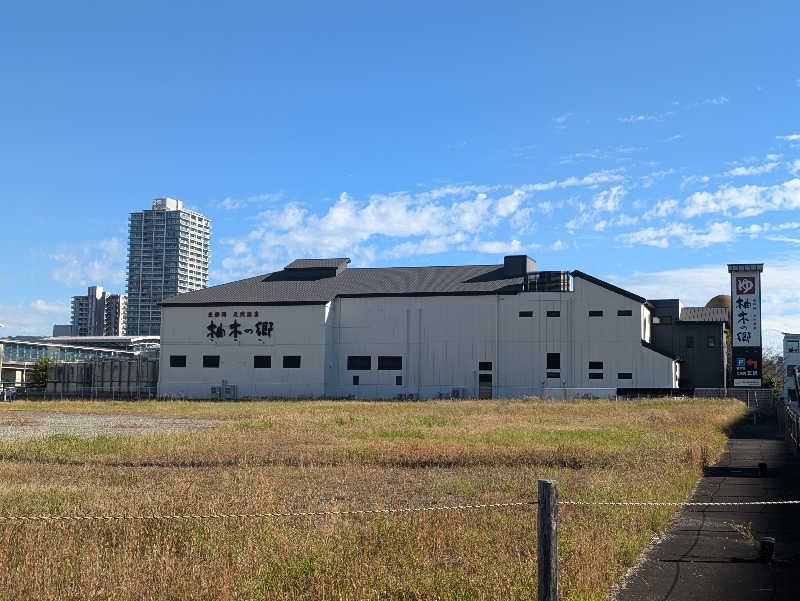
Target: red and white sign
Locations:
point(746, 309)
point(745, 285)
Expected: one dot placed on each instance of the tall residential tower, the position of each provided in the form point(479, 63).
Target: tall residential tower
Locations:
point(98, 313)
point(168, 252)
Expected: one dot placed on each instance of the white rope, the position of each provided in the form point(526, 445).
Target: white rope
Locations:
point(678, 503)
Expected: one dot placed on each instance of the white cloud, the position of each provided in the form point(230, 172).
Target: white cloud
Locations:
point(561, 120)
point(789, 138)
point(89, 263)
point(641, 117)
point(651, 178)
point(685, 234)
point(50, 307)
point(784, 239)
point(558, 245)
point(719, 100)
point(609, 200)
point(794, 167)
point(744, 201)
point(498, 247)
point(674, 138)
point(231, 204)
point(754, 170)
point(661, 209)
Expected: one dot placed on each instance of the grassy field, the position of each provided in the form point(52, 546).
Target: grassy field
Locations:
point(279, 456)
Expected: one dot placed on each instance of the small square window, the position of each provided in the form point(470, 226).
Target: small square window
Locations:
point(398, 380)
point(625, 375)
point(553, 375)
point(210, 360)
point(554, 314)
point(363, 362)
point(595, 313)
point(291, 361)
point(624, 313)
point(262, 362)
point(355, 380)
point(595, 376)
point(177, 360)
point(484, 366)
point(526, 313)
point(553, 361)
point(595, 365)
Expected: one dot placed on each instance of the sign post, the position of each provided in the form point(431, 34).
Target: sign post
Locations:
point(746, 323)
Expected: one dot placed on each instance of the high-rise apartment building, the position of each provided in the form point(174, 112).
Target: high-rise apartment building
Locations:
point(98, 313)
point(168, 253)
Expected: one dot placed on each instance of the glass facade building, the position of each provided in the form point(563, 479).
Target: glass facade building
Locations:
point(168, 254)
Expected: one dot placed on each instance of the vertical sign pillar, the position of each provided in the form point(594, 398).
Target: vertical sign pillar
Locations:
point(746, 323)
point(548, 541)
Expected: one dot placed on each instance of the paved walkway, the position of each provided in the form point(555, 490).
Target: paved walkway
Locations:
point(708, 554)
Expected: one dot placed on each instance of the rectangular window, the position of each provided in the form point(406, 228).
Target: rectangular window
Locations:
point(690, 342)
point(711, 342)
point(262, 361)
point(355, 380)
point(485, 378)
point(553, 375)
point(553, 361)
point(177, 360)
point(624, 313)
point(624, 375)
point(595, 376)
point(664, 320)
point(291, 361)
point(484, 366)
point(210, 360)
point(526, 313)
point(595, 365)
point(398, 380)
point(595, 313)
point(554, 314)
point(359, 362)
point(390, 363)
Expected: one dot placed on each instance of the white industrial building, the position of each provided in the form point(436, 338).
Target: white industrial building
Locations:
point(318, 329)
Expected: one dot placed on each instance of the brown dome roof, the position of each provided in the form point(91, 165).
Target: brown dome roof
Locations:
point(721, 301)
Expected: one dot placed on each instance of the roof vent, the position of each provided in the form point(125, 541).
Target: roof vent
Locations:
point(517, 266)
point(330, 267)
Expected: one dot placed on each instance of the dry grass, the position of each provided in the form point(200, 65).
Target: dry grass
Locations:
point(337, 455)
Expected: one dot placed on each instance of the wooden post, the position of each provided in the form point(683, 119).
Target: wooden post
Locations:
point(548, 540)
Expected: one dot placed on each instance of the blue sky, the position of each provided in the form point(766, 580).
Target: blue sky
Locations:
point(645, 145)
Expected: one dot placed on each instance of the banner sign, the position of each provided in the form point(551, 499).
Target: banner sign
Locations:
point(746, 323)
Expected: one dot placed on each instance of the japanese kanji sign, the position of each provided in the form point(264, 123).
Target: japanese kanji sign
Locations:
point(244, 325)
point(746, 323)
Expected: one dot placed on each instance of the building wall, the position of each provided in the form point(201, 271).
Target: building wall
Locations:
point(791, 361)
point(441, 340)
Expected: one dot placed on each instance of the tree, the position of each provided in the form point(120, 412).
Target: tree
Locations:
point(773, 371)
point(39, 373)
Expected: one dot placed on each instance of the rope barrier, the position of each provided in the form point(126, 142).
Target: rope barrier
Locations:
point(344, 512)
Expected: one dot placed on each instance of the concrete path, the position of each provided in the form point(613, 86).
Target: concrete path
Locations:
point(709, 554)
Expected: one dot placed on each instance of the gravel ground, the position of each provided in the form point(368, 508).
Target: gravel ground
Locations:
point(20, 425)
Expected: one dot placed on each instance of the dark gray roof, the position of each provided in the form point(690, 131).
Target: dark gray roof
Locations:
point(704, 314)
point(315, 286)
point(318, 263)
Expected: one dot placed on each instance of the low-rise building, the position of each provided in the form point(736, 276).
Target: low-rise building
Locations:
point(319, 329)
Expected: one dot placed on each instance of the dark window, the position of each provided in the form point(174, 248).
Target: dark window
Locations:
point(390, 363)
point(712, 342)
point(664, 320)
point(262, 361)
point(553, 361)
point(595, 365)
point(595, 313)
point(177, 360)
point(553, 374)
point(690, 342)
point(625, 375)
point(595, 376)
point(526, 313)
point(554, 314)
point(359, 362)
point(398, 380)
point(291, 361)
point(210, 360)
point(624, 313)
point(484, 365)
point(484, 377)
point(355, 380)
